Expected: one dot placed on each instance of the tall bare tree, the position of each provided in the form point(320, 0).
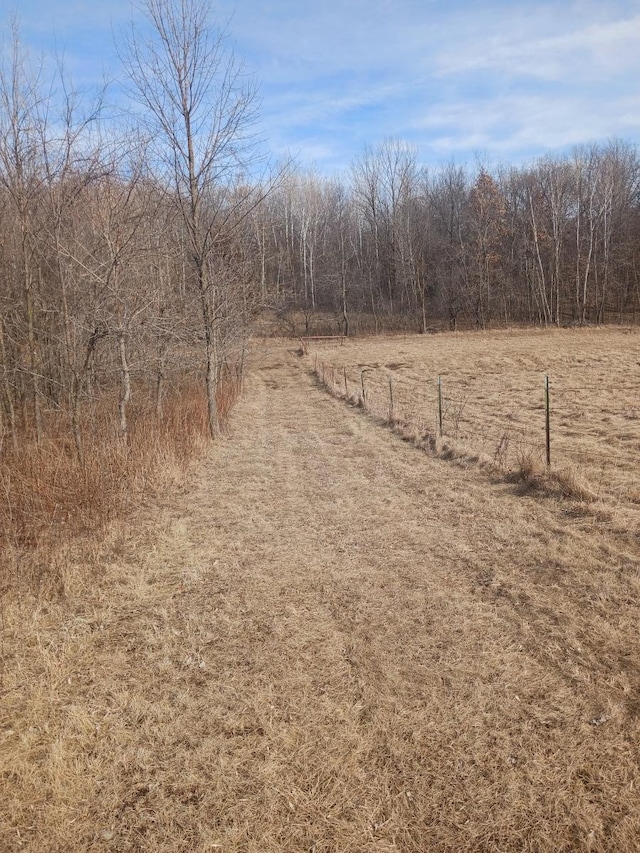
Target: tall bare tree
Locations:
point(20, 175)
point(199, 108)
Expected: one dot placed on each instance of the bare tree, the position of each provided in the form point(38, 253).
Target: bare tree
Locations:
point(70, 165)
point(20, 175)
point(199, 108)
point(487, 215)
point(384, 179)
point(448, 202)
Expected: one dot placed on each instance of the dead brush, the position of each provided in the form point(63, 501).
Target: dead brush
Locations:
point(529, 471)
point(571, 485)
point(50, 496)
point(502, 451)
point(228, 390)
point(532, 476)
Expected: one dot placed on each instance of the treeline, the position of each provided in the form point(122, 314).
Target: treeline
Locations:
point(134, 258)
point(555, 242)
point(125, 295)
point(99, 287)
point(122, 267)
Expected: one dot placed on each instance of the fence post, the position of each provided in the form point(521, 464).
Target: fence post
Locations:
point(364, 399)
point(315, 364)
point(440, 404)
point(390, 400)
point(323, 382)
point(333, 377)
point(547, 420)
point(346, 387)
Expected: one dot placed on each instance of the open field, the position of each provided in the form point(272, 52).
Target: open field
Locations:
point(330, 641)
point(493, 397)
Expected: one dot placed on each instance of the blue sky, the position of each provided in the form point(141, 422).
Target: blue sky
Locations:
point(499, 81)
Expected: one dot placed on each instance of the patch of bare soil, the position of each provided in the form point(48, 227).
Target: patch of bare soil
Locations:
point(330, 642)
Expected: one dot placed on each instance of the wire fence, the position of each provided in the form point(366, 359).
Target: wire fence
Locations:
point(594, 427)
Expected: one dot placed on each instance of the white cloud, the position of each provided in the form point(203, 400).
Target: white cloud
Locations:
point(507, 76)
point(591, 51)
point(513, 125)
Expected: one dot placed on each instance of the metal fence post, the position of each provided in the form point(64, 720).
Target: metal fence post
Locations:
point(547, 419)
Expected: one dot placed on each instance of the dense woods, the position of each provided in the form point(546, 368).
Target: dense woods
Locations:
point(136, 254)
point(554, 242)
point(124, 308)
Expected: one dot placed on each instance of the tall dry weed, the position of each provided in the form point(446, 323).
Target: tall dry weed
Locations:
point(228, 390)
point(50, 496)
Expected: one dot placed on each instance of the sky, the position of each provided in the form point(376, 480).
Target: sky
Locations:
point(471, 81)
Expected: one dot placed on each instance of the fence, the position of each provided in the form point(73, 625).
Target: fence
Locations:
point(596, 427)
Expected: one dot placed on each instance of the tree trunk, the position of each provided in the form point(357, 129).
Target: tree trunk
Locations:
point(34, 369)
point(211, 364)
point(6, 387)
point(125, 387)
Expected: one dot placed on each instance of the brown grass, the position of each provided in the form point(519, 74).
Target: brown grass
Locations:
point(327, 641)
point(493, 400)
point(50, 497)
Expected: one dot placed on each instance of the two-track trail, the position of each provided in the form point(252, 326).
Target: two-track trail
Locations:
point(333, 642)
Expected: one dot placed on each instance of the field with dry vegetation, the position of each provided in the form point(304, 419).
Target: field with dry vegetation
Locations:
point(330, 640)
point(492, 388)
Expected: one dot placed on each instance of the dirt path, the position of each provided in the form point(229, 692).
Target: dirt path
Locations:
point(332, 642)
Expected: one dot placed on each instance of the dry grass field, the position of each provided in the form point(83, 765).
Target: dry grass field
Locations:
point(493, 400)
point(328, 640)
